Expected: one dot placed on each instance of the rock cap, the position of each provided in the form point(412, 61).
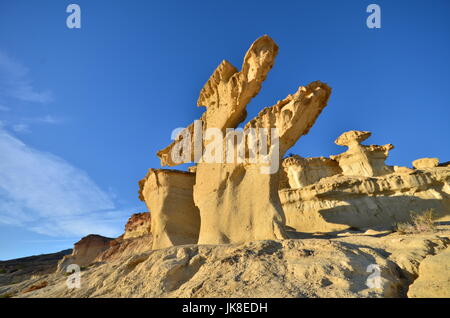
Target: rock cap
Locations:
point(352, 136)
point(424, 163)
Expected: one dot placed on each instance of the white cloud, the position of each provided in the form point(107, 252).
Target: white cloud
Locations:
point(21, 128)
point(46, 194)
point(48, 119)
point(15, 83)
point(40, 191)
point(24, 125)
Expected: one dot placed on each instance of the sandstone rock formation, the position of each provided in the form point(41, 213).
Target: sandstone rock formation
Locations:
point(85, 251)
point(338, 203)
point(227, 93)
point(139, 224)
point(136, 239)
point(232, 208)
point(175, 220)
point(360, 160)
point(352, 189)
point(120, 248)
point(433, 277)
point(305, 171)
point(367, 193)
point(318, 227)
point(425, 163)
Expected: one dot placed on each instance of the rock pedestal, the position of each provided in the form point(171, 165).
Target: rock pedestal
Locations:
point(361, 160)
point(175, 220)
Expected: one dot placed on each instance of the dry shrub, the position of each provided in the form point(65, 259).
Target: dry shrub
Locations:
point(420, 223)
point(35, 287)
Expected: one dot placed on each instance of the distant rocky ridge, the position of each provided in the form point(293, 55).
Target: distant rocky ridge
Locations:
point(93, 248)
point(85, 251)
point(19, 269)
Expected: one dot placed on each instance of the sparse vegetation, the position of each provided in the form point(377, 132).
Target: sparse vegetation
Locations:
point(2, 271)
point(419, 223)
point(35, 287)
point(7, 295)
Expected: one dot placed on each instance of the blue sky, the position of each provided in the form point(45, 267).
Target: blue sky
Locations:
point(83, 112)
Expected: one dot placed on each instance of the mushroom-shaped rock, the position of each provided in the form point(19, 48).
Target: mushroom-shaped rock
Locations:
point(361, 160)
point(352, 137)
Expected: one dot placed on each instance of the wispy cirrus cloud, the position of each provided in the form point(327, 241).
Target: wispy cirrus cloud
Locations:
point(38, 190)
point(17, 88)
point(24, 125)
point(46, 194)
point(15, 82)
point(21, 128)
point(48, 119)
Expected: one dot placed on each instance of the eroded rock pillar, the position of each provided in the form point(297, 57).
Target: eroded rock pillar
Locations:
point(175, 220)
point(239, 202)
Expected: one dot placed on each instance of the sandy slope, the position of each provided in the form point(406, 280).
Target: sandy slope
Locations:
point(313, 266)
